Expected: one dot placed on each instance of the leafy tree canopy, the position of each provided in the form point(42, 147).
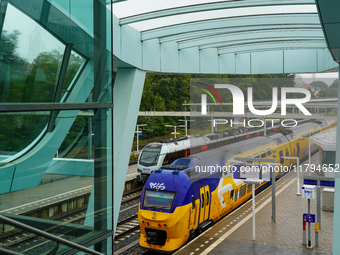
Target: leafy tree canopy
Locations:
point(319, 84)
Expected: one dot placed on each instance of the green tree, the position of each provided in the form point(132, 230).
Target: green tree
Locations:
point(332, 91)
point(319, 84)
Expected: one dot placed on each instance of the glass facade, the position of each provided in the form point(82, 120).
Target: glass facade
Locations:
point(56, 163)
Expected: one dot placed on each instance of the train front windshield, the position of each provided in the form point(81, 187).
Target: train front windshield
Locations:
point(155, 199)
point(149, 156)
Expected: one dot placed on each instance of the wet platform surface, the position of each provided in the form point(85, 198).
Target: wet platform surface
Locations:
point(22, 201)
point(233, 234)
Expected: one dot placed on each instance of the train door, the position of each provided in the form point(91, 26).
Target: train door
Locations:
point(205, 202)
point(202, 205)
point(226, 199)
point(231, 198)
point(193, 213)
point(282, 160)
point(298, 149)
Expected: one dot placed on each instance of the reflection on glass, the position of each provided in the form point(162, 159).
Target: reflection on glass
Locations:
point(18, 130)
point(77, 141)
point(74, 64)
point(30, 58)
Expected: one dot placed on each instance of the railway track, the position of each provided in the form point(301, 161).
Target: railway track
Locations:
point(17, 237)
point(126, 227)
point(131, 196)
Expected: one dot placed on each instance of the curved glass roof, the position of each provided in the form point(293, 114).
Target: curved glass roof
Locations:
point(225, 27)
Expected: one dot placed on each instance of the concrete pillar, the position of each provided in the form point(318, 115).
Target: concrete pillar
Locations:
point(127, 93)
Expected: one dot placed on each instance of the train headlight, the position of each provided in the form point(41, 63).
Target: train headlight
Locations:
point(165, 225)
point(160, 225)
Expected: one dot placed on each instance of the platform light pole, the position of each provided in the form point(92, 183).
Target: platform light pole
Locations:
point(175, 128)
point(139, 132)
point(309, 154)
point(186, 125)
point(261, 161)
point(185, 119)
point(298, 175)
point(309, 157)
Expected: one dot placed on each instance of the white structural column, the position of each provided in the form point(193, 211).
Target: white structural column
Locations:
point(127, 93)
point(336, 219)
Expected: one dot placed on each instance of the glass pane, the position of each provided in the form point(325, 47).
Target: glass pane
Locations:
point(18, 130)
point(40, 189)
point(62, 201)
point(74, 65)
point(29, 58)
point(79, 138)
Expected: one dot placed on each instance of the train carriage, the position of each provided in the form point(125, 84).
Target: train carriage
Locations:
point(178, 201)
point(155, 155)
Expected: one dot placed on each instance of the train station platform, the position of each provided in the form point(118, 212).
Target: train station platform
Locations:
point(233, 234)
point(45, 194)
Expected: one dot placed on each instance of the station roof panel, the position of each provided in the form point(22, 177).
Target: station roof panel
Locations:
point(204, 30)
point(326, 139)
point(330, 20)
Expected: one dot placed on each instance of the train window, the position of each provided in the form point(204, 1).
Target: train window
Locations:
point(294, 152)
point(207, 197)
point(166, 159)
point(158, 199)
point(242, 190)
point(287, 153)
point(231, 193)
point(202, 200)
point(249, 187)
point(235, 197)
point(193, 202)
point(256, 185)
point(263, 154)
point(150, 154)
point(256, 155)
point(269, 152)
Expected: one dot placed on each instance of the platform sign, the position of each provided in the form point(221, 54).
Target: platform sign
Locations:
point(247, 172)
point(254, 172)
point(308, 191)
point(322, 183)
point(309, 218)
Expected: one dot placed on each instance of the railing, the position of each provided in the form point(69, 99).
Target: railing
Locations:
point(44, 234)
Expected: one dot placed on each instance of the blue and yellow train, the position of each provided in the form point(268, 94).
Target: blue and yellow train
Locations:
point(178, 201)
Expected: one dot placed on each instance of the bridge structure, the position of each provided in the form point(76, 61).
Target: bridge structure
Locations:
point(325, 108)
point(62, 55)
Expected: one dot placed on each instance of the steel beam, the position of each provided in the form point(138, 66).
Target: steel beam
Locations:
point(37, 107)
point(171, 11)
